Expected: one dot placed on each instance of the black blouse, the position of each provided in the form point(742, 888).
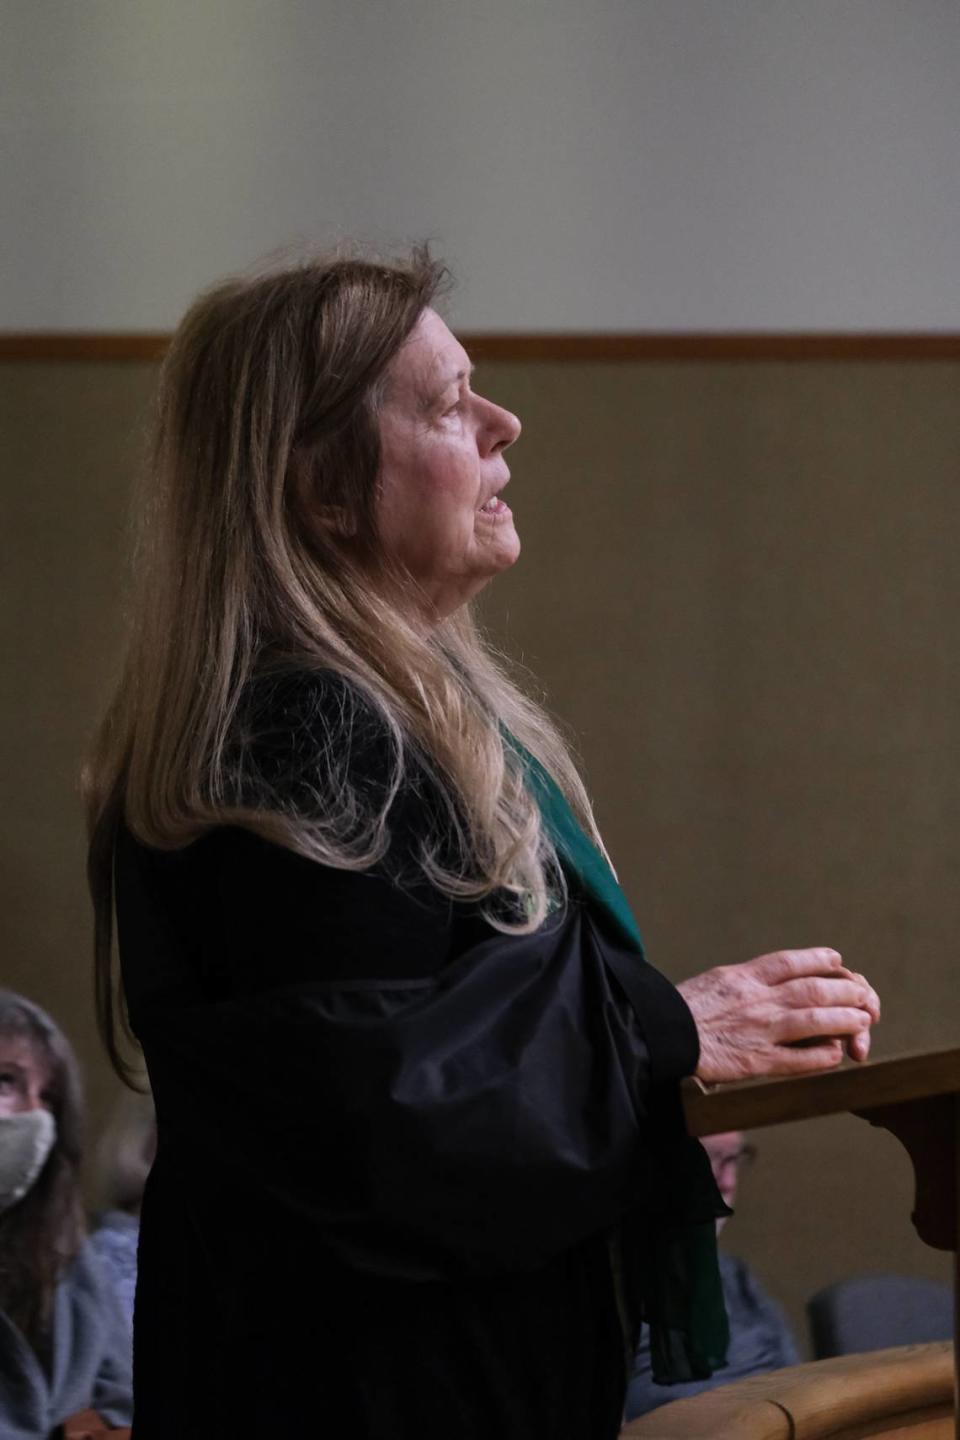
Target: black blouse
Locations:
point(393, 1142)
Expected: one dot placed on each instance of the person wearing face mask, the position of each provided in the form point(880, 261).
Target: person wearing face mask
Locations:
point(65, 1345)
point(760, 1338)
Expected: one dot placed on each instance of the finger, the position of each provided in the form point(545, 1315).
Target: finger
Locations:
point(874, 1004)
point(784, 965)
point(788, 1061)
point(797, 1025)
point(817, 990)
point(858, 1046)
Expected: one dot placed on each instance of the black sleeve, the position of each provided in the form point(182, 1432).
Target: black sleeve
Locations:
point(658, 1008)
point(424, 1094)
point(494, 1114)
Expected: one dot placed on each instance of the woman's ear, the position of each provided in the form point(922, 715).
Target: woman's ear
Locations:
point(334, 522)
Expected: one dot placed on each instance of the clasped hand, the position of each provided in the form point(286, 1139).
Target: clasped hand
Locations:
point(782, 1014)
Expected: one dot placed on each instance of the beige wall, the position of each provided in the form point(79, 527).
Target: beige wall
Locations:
point(584, 164)
point(739, 586)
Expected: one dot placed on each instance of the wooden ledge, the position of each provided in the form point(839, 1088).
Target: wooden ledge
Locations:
point(906, 1392)
point(866, 1087)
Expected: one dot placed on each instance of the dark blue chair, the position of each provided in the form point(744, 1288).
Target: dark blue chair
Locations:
point(874, 1312)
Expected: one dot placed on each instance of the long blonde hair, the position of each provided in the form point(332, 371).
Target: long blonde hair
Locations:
point(267, 414)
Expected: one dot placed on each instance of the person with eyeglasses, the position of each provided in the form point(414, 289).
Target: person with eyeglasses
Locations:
point(760, 1338)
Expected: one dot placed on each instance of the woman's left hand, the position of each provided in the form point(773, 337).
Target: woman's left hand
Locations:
point(786, 1013)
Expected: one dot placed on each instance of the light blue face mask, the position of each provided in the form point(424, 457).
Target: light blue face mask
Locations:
point(25, 1144)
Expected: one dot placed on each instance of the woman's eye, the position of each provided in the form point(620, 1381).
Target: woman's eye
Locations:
point(6, 1081)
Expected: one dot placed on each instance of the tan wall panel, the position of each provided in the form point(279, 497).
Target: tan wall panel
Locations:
point(71, 441)
point(739, 588)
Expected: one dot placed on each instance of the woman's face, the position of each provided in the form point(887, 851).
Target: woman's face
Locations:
point(24, 1078)
point(439, 516)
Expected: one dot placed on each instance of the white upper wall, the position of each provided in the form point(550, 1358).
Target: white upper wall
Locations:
point(582, 164)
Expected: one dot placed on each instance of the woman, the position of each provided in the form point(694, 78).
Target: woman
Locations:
point(64, 1343)
point(421, 1164)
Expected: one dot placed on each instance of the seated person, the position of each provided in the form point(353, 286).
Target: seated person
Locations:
point(124, 1156)
point(760, 1339)
point(65, 1343)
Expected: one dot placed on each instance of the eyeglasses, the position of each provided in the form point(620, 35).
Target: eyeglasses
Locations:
point(740, 1159)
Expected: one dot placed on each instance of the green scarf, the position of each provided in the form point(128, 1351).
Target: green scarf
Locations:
point(665, 1265)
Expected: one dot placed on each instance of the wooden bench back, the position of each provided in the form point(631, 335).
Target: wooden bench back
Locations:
point(901, 1394)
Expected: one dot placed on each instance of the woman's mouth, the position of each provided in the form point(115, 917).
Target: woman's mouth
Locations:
point(495, 508)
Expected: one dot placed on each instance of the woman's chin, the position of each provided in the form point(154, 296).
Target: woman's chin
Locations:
point(501, 549)
point(513, 550)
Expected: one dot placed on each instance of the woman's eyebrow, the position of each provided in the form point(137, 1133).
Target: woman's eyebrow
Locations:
point(441, 385)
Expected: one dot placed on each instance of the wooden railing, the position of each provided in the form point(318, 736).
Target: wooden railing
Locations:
point(895, 1393)
point(902, 1394)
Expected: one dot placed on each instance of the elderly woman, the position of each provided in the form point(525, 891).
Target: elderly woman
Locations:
point(64, 1341)
point(421, 1164)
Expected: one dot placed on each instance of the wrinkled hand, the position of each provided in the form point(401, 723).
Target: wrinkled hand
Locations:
point(782, 1014)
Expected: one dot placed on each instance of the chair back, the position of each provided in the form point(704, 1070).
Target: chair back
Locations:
point(875, 1312)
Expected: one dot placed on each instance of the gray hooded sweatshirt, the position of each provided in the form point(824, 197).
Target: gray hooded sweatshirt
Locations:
point(90, 1362)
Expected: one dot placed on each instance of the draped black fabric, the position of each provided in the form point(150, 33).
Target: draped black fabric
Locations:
point(393, 1146)
point(488, 1116)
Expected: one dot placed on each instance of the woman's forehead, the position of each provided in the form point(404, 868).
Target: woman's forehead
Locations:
point(431, 358)
point(23, 1052)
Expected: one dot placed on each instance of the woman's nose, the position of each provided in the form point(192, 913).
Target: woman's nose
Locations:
point(505, 429)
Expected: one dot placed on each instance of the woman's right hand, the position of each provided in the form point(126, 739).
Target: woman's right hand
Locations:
point(782, 1014)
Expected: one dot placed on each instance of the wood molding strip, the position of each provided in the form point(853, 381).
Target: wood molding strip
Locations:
point(727, 346)
point(72, 345)
point(539, 347)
